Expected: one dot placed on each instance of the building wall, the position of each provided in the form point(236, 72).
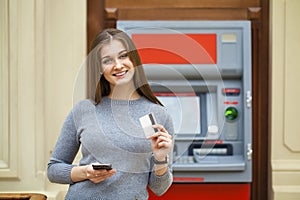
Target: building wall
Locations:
point(43, 47)
point(285, 59)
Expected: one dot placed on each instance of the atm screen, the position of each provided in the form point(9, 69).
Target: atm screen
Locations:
point(185, 112)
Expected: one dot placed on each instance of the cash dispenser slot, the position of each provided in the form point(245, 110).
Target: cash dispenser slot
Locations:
point(210, 150)
point(208, 157)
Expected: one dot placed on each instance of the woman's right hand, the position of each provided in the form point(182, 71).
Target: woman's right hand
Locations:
point(96, 176)
point(81, 173)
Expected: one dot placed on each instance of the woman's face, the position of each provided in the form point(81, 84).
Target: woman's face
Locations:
point(117, 66)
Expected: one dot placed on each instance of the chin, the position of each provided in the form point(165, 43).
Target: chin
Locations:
point(122, 82)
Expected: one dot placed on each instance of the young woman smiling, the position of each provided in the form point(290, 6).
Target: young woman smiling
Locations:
point(107, 129)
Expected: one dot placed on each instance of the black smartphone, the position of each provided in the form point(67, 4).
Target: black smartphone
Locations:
point(102, 166)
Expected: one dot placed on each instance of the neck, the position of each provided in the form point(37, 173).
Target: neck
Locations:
point(123, 92)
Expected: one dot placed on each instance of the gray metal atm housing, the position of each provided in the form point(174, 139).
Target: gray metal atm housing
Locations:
point(211, 102)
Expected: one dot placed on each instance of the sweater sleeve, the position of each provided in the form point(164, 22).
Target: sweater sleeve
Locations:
point(160, 184)
point(64, 152)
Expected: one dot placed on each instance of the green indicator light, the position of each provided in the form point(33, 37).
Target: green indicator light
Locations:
point(231, 113)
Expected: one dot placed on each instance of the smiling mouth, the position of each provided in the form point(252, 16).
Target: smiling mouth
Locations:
point(120, 73)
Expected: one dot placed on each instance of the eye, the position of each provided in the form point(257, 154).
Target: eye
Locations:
point(107, 61)
point(123, 55)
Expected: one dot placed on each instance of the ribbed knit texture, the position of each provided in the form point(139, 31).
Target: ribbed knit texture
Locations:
point(110, 133)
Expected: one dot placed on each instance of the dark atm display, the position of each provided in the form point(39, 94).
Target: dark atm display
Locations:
point(193, 108)
point(185, 112)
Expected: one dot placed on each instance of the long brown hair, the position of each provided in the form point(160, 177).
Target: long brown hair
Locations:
point(139, 78)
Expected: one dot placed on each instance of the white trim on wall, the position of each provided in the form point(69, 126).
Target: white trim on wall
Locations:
point(43, 45)
point(285, 155)
point(9, 90)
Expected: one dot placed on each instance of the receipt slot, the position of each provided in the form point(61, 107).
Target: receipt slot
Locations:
point(201, 72)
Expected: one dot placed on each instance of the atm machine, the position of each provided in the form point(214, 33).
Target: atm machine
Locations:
point(201, 71)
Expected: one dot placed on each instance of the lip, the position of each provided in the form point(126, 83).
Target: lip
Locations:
point(120, 74)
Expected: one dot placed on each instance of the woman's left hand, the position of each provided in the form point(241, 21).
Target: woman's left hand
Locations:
point(161, 143)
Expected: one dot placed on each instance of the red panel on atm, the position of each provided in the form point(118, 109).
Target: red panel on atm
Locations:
point(205, 192)
point(176, 48)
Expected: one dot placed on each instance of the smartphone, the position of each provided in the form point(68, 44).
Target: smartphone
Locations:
point(147, 122)
point(102, 166)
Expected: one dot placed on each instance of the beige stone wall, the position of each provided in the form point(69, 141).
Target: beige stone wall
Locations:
point(285, 58)
point(43, 45)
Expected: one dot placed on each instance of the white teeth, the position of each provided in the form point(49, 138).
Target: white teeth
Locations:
point(120, 74)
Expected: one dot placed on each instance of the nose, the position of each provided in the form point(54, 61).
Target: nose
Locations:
point(118, 64)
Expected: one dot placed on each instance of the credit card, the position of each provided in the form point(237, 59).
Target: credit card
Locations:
point(147, 122)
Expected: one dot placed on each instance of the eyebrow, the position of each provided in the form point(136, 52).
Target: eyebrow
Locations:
point(122, 51)
point(118, 54)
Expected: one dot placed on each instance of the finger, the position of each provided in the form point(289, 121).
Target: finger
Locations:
point(164, 145)
point(157, 134)
point(104, 172)
point(100, 172)
point(97, 178)
point(102, 177)
point(159, 127)
point(160, 142)
point(160, 138)
point(163, 139)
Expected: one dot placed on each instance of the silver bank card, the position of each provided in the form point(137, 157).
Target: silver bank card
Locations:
point(147, 122)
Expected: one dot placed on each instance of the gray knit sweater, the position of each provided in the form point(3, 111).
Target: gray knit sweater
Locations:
point(110, 133)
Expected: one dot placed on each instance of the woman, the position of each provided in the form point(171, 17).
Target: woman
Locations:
point(108, 131)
